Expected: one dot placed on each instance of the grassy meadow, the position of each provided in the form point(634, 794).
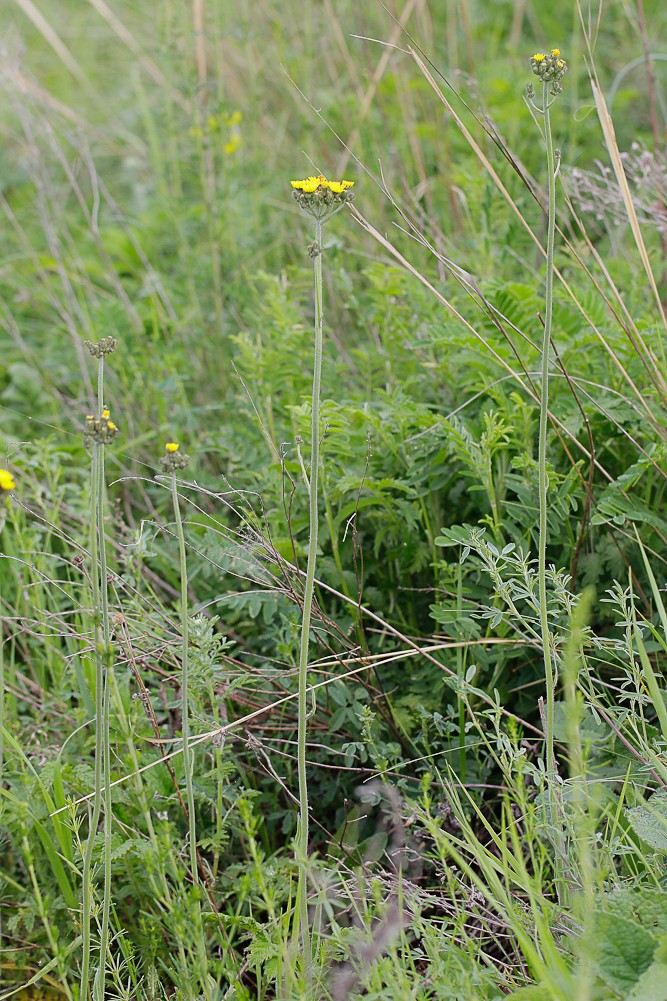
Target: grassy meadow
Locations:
point(391, 723)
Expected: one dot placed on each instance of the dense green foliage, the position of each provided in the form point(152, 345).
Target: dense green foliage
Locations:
point(144, 188)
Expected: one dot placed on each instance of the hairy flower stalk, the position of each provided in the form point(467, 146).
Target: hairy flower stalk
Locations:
point(172, 461)
point(320, 199)
point(549, 69)
point(100, 431)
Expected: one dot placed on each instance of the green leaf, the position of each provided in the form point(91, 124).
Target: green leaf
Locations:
point(591, 728)
point(622, 951)
point(652, 985)
point(649, 821)
point(646, 906)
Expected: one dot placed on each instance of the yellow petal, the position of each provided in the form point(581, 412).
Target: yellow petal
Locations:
point(338, 186)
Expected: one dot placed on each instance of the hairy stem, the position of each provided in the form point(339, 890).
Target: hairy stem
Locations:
point(185, 685)
point(302, 836)
point(543, 484)
point(107, 667)
point(98, 642)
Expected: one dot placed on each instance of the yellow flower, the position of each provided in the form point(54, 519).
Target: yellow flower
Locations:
point(338, 186)
point(106, 414)
point(111, 426)
point(555, 53)
point(539, 56)
point(310, 184)
point(7, 481)
point(172, 446)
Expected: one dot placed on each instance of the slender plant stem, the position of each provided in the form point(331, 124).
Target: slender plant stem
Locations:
point(108, 667)
point(542, 454)
point(87, 889)
point(103, 667)
point(460, 669)
point(185, 687)
point(303, 833)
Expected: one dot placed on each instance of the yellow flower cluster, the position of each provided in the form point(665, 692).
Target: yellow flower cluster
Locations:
point(321, 199)
point(101, 429)
point(550, 68)
point(311, 184)
point(7, 482)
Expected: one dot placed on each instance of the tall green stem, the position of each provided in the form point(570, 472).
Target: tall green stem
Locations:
point(107, 667)
point(185, 681)
point(103, 668)
point(542, 455)
point(302, 836)
point(87, 888)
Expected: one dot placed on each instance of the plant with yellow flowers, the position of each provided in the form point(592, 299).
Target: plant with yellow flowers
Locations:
point(7, 484)
point(550, 69)
point(319, 199)
point(100, 431)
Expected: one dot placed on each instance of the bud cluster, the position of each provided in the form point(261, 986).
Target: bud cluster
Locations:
point(549, 68)
point(173, 459)
point(103, 347)
point(101, 430)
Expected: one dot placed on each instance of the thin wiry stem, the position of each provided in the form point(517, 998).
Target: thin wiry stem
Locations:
point(188, 761)
point(99, 727)
point(302, 837)
point(543, 480)
point(102, 770)
point(99, 989)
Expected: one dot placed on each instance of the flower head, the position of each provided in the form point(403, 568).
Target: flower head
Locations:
point(320, 198)
point(339, 186)
point(310, 184)
point(103, 347)
point(101, 430)
point(173, 459)
point(549, 68)
point(7, 482)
